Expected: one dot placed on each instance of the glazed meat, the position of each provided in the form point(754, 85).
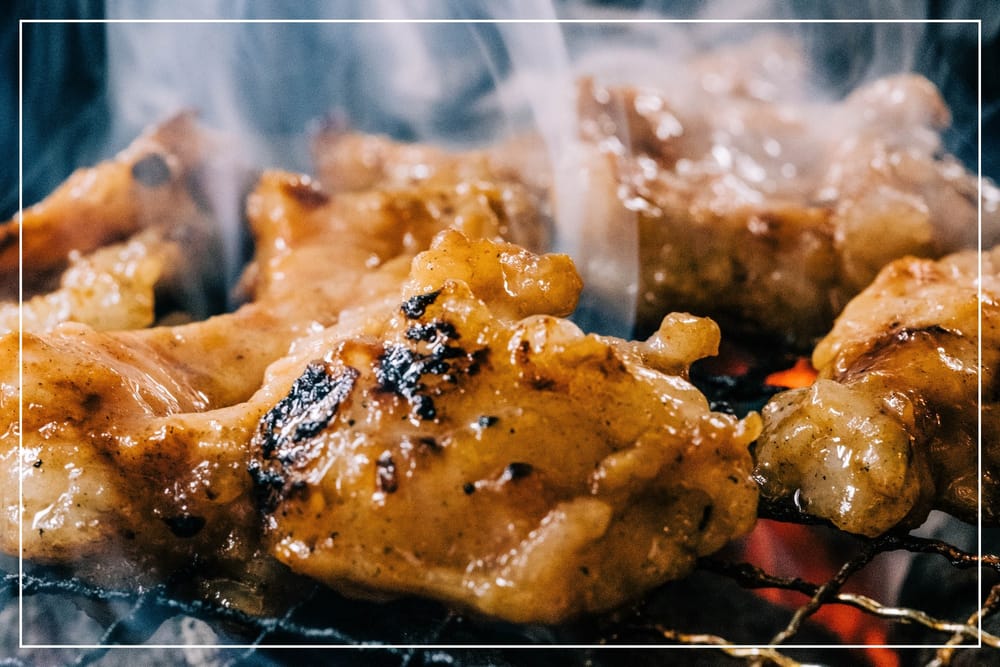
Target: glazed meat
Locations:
point(137, 442)
point(471, 446)
point(349, 162)
point(770, 214)
point(399, 407)
point(159, 182)
point(120, 443)
point(467, 445)
point(112, 288)
point(125, 476)
point(755, 202)
point(316, 255)
point(890, 428)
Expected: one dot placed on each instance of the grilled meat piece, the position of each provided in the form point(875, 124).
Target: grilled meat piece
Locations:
point(471, 446)
point(125, 476)
point(316, 256)
point(890, 428)
point(136, 443)
point(112, 288)
point(156, 183)
point(135, 452)
point(769, 215)
point(349, 162)
point(755, 203)
point(460, 443)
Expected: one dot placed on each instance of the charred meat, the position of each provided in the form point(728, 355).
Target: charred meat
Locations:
point(472, 446)
point(461, 441)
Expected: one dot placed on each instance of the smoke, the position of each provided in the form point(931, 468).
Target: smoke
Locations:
point(64, 115)
point(452, 84)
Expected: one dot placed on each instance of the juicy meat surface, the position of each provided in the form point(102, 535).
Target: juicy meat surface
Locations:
point(316, 256)
point(770, 214)
point(584, 470)
point(459, 441)
point(890, 428)
point(349, 162)
point(471, 446)
point(754, 201)
point(111, 288)
point(125, 476)
point(121, 429)
point(158, 182)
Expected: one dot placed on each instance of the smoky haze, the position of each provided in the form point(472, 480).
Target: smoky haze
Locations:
point(91, 88)
point(414, 82)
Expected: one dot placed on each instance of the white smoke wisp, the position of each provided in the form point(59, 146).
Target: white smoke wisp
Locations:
point(454, 84)
point(460, 85)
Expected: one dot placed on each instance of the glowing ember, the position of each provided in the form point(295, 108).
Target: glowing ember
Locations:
point(804, 551)
point(802, 374)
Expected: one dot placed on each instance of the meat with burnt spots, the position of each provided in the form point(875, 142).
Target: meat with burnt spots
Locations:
point(147, 449)
point(118, 450)
point(471, 446)
point(459, 441)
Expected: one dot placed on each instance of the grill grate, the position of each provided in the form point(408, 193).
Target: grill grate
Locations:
point(322, 617)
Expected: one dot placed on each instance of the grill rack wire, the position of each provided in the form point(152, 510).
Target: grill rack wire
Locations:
point(446, 633)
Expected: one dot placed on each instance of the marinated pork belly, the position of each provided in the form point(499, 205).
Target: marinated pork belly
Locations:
point(471, 446)
point(889, 430)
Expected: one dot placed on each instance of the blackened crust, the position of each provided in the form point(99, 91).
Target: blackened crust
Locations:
point(281, 442)
point(415, 306)
point(404, 370)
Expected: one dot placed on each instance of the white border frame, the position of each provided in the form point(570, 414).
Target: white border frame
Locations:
point(432, 647)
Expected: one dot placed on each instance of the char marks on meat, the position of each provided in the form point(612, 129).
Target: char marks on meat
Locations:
point(594, 457)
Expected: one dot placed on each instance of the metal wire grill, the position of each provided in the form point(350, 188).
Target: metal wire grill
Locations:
point(379, 630)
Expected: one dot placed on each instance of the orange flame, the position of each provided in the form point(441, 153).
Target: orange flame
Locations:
point(802, 374)
point(795, 550)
